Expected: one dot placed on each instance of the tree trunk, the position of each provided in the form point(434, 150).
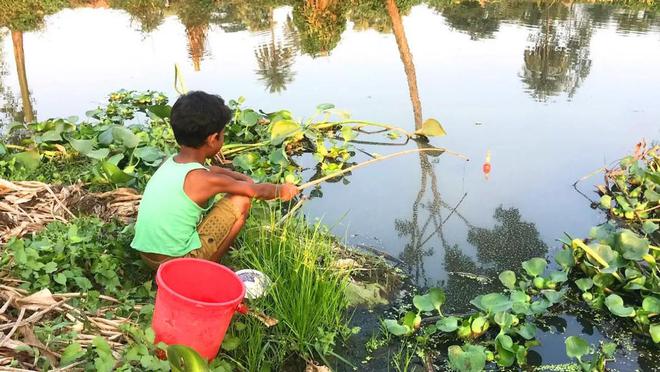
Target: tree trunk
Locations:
point(19, 56)
point(406, 58)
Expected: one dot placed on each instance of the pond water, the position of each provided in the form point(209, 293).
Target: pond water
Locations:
point(551, 91)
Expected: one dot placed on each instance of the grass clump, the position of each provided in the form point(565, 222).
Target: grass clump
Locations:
point(307, 293)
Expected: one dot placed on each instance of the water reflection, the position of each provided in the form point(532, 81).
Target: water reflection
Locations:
point(503, 247)
point(275, 58)
point(558, 60)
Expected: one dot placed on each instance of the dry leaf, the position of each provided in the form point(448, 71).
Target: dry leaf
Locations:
point(38, 300)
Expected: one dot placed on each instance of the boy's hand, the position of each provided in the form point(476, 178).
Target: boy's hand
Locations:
point(288, 191)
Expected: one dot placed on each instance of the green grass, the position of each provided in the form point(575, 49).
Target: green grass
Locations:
point(307, 295)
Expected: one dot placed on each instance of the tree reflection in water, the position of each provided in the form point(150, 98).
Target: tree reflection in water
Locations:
point(558, 61)
point(275, 58)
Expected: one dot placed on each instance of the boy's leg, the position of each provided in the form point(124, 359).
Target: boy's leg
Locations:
point(221, 226)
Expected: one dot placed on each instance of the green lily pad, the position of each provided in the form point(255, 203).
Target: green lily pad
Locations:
point(505, 341)
point(282, 130)
point(632, 246)
point(492, 302)
point(527, 331)
point(651, 304)
point(423, 303)
point(469, 358)
point(431, 128)
point(576, 347)
point(535, 266)
point(649, 227)
point(565, 258)
point(584, 284)
point(437, 297)
point(395, 328)
point(654, 331)
point(447, 324)
point(508, 278)
point(616, 306)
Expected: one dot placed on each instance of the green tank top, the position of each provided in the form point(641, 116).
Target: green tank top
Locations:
point(167, 218)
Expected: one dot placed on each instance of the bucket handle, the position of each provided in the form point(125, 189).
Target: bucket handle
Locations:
point(242, 308)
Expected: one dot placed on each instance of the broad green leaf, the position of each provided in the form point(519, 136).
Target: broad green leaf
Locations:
point(99, 154)
point(50, 267)
point(584, 284)
point(651, 195)
point(412, 320)
point(149, 154)
point(505, 341)
point(576, 347)
point(650, 227)
point(437, 297)
point(60, 278)
point(603, 280)
point(183, 358)
point(447, 324)
point(71, 353)
point(28, 159)
point(469, 358)
point(527, 331)
point(283, 129)
point(552, 295)
point(325, 106)
point(116, 158)
point(160, 111)
point(479, 325)
point(564, 257)
point(116, 175)
point(508, 278)
point(395, 328)
point(535, 266)
point(609, 255)
point(632, 246)
point(105, 138)
point(423, 303)
point(606, 202)
point(246, 161)
point(125, 136)
point(492, 302)
point(51, 136)
point(248, 118)
point(654, 331)
point(431, 128)
point(616, 306)
point(82, 146)
point(651, 304)
point(540, 306)
point(503, 319)
point(559, 276)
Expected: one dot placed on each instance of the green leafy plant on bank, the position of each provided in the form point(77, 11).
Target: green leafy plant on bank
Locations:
point(616, 272)
point(123, 142)
point(631, 194)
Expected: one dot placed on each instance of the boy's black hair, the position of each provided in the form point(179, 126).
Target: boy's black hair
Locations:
point(196, 115)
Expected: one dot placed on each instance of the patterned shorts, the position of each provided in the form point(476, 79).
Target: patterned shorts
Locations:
point(213, 231)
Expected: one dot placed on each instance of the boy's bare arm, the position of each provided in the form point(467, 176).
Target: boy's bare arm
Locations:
point(228, 172)
point(201, 186)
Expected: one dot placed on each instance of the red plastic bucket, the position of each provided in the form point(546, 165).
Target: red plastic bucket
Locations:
point(195, 302)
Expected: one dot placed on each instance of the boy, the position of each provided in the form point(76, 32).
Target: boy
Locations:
point(183, 188)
